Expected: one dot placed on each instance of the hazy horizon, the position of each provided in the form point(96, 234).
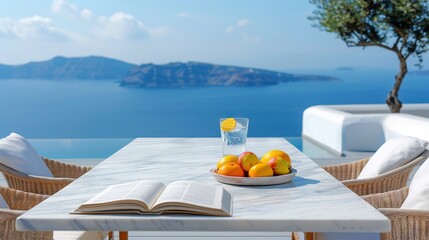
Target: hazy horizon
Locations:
point(301, 70)
point(273, 35)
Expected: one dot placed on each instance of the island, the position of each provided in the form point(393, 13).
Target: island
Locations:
point(170, 75)
point(197, 74)
point(344, 69)
point(92, 67)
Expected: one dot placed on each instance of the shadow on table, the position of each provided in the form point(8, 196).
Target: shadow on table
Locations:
point(296, 182)
point(300, 181)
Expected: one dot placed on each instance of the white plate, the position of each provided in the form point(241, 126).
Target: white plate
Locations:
point(248, 181)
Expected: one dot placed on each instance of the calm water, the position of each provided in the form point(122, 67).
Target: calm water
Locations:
point(102, 109)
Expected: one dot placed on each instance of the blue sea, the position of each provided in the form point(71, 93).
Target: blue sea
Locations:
point(38, 108)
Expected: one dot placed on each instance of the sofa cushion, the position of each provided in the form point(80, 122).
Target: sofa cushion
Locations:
point(393, 154)
point(418, 193)
point(17, 153)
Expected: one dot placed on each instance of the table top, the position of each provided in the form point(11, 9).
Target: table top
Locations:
point(312, 201)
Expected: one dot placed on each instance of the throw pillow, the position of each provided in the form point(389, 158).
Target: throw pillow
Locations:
point(17, 153)
point(418, 193)
point(393, 154)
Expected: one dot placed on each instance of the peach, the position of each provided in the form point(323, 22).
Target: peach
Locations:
point(227, 159)
point(279, 165)
point(247, 160)
point(261, 170)
point(274, 153)
point(231, 169)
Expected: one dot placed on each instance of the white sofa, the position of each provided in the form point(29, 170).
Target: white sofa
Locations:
point(343, 128)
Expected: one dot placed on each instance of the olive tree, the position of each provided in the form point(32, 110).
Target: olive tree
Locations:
point(400, 26)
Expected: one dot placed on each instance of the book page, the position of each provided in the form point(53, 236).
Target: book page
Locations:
point(146, 191)
point(193, 193)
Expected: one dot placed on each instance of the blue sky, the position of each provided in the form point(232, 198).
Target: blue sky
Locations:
point(273, 34)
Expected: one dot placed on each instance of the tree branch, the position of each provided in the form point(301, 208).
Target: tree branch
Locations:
point(404, 43)
point(357, 36)
point(367, 44)
point(362, 43)
point(401, 35)
point(412, 50)
point(396, 43)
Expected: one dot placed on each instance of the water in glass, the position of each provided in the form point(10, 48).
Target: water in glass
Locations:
point(234, 141)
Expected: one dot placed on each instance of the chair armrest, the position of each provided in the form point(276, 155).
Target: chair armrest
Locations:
point(406, 223)
point(383, 183)
point(19, 200)
point(7, 214)
point(391, 180)
point(391, 199)
point(346, 171)
point(8, 230)
point(36, 184)
point(60, 169)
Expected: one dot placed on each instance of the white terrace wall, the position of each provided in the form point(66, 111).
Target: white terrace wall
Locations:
point(344, 128)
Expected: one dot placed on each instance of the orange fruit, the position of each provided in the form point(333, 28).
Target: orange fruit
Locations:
point(261, 170)
point(228, 124)
point(275, 153)
point(231, 169)
point(227, 159)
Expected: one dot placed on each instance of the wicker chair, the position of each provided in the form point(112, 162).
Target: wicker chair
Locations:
point(392, 180)
point(19, 202)
point(406, 223)
point(63, 175)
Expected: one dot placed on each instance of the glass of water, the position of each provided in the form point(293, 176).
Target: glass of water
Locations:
point(234, 140)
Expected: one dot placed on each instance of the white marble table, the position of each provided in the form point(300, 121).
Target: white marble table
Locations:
point(313, 202)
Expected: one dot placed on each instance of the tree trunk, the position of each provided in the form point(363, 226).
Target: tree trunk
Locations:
point(392, 98)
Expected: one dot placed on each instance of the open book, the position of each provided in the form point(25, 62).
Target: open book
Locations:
point(152, 197)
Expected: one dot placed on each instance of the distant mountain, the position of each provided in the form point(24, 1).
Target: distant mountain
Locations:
point(195, 74)
point(344, 69)
point(91, 67)
point(171, 75)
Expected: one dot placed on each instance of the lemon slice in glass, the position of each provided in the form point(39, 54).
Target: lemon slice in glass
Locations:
point(228, 124)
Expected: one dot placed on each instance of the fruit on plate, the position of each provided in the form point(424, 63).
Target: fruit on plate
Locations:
point(273, 163)
point(231, 169)
point(274, 153)
point(279, 165)
point(261, 170)
point(227, 159)
point(247, 160)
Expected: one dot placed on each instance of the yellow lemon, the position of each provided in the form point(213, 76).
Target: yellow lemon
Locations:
point(261, 170)
point(228, 124)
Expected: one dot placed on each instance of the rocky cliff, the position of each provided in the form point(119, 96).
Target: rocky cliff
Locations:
point(194, 74)
point(171, 75)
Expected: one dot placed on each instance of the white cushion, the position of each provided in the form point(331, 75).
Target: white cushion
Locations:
point(393, 154)
point(418, 194)
point(17, 153)
point(79, 235)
